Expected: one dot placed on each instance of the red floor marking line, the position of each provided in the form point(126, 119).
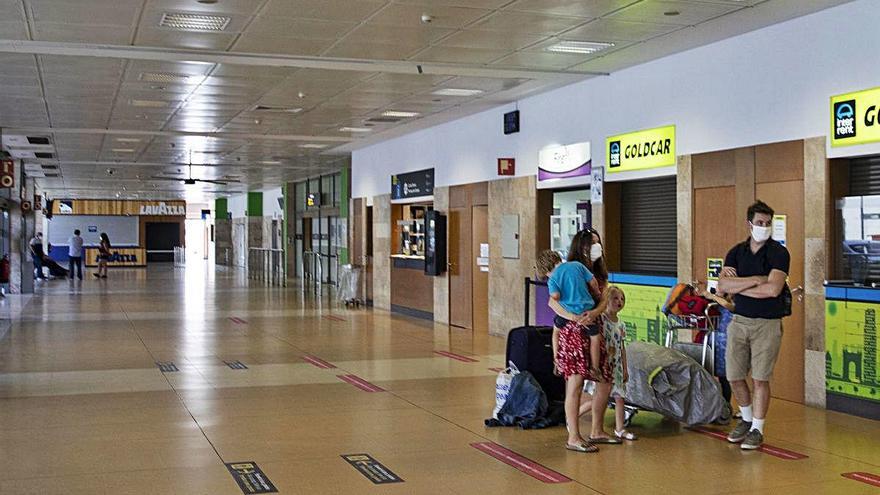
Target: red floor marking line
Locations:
point(333, 318)
point(457, 357)
point(767, 449)
point(517, 461)
point(238, 320)
point(320, 363)
point(867, 478)
point(360, 383)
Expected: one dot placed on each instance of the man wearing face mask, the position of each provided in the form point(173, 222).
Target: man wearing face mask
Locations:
point(755, 271)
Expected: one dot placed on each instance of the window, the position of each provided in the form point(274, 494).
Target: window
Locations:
point(649, 241)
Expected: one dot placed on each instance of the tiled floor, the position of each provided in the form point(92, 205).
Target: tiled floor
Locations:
point(84, 408)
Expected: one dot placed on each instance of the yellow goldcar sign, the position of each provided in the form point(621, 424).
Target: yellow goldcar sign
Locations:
point(640, 150)
point(855, 118)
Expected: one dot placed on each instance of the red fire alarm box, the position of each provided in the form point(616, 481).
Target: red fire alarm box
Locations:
point(506, 166)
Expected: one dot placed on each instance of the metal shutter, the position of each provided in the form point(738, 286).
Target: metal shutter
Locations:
point(648, 226)
point(864, 176)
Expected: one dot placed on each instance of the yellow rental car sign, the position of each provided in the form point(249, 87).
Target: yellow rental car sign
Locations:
point(640, 150)
point(855, 118)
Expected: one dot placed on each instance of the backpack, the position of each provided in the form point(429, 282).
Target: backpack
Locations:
point(675, 294)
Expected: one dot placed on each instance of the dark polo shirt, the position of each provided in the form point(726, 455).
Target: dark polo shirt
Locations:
point(771, 256)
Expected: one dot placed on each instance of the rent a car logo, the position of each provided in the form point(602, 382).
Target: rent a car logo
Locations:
point(845, 119)
point(614, 153)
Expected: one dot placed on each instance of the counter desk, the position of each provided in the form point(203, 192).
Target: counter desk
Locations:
point(412, 291)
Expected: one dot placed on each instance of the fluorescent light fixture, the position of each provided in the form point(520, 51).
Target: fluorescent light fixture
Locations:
point(148, 103)
point(123, 150)
point(457, 92)
point(271, 162)
point(583, 47)
point(354, 129)
point(128, 140)
point(400, 113)
point(313, 146)
point(184, 21)
point(170, 78)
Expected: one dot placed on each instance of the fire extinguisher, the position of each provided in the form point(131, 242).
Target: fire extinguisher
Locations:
point(4, 270)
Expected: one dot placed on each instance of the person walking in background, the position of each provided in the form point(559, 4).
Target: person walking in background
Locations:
point(36, 249)
point(755, 271)
point(74, 253)
point(103, 255)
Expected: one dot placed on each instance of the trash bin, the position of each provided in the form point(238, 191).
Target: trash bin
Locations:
point(348, 290)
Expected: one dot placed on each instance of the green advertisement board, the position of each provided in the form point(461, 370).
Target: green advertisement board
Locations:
point(644, 319)
point(851, 349)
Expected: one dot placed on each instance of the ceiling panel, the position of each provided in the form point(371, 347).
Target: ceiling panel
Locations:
point(244, 7)
point(82, 33)
point(90, 12)
point(400, 15)
point(618, 30)
point(428, 4)
point(381, 51)
point(580, 8)
point(259, 43)
point(481, 39)
point(13, 30)
point(332, 10)
point(451, 54)
point(688, 13)
point(292, 27)
point(529, 22)
point(173, 39)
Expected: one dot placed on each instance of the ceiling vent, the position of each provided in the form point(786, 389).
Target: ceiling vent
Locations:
point(268, 108)
point(54, 174)
point(384, 120)
point(46, 156)
point(183, 21)
point(38, 140)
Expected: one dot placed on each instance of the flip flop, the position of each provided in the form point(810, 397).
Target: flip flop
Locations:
point(625, 435)
point(606, 440)
point(584, 448)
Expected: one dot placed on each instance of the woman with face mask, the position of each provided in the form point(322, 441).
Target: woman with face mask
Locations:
point(586, 247)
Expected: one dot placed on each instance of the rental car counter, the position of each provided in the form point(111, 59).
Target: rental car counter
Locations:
point(851, 382)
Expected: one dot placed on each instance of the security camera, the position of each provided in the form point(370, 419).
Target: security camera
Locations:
point(110, 171)
point(427, 19)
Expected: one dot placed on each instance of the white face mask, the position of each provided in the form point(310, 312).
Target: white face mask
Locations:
point(595, 252)
point(760, 234)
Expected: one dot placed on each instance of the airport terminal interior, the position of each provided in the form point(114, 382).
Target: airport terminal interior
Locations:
point(377, 246)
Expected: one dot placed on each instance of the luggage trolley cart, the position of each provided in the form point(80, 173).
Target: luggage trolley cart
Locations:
point(349, 290)
point(703, 353)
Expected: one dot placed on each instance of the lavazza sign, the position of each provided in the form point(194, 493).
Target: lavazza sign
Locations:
point(162, 209)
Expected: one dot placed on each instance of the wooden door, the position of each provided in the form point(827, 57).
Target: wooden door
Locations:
point(480, 278)
point(787, 198)
point(459, 232)
point(714, 218)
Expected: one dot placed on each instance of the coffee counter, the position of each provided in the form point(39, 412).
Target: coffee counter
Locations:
point(412, 292)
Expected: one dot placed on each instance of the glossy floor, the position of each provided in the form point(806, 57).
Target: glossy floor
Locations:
point(85, 409)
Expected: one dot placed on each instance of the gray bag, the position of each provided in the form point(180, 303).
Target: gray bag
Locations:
point(668, 382)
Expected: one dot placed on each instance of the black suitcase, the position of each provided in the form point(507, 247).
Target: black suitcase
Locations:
point(530, 348)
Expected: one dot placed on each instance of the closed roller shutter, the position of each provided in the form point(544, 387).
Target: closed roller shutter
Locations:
point(648, 227)
point(864, 176)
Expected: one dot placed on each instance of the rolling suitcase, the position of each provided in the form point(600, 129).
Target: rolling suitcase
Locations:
point(530, 348)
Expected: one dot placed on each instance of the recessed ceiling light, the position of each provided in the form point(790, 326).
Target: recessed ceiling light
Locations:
point(399, 113)
point(184, 21)
point(148, 103)
point(671, 13)
point(271, 162)
point(313, 146)
point(583, 47)
point(457, 92)
point(123, 150)
point(354, 129)
point(128, 140)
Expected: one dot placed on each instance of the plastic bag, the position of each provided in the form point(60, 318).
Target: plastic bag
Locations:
point(502, 387)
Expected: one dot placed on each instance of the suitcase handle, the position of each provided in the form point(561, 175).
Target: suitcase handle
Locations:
point(528, 297)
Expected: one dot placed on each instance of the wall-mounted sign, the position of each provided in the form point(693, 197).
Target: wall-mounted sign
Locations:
point(713, 272)
point(93, 228)
point(511, 122)
point(119, 257)
point(313, 199)
point(118, 207)
point(564, 162)
point(854, 118)
point(7, 173)
point(640, 150)
point(412, 184)
point(506, 166)
point(597, 185)
point(779, 232)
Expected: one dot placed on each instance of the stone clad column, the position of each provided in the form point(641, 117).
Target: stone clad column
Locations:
point(441, 282)
point(382, 251)
point(817, 202)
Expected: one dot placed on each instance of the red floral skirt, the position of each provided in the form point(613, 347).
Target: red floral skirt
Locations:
point(573, 357)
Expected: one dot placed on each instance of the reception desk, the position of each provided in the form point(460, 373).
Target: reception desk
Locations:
point(412, 292)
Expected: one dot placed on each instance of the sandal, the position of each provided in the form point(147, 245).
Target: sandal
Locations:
point(606, 440)
point(584, 448)
point(625, 435)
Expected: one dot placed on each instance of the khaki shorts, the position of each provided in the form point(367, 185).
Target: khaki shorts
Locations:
point(752, 344)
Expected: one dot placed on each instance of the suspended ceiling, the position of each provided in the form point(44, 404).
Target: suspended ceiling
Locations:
point(268, 91)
